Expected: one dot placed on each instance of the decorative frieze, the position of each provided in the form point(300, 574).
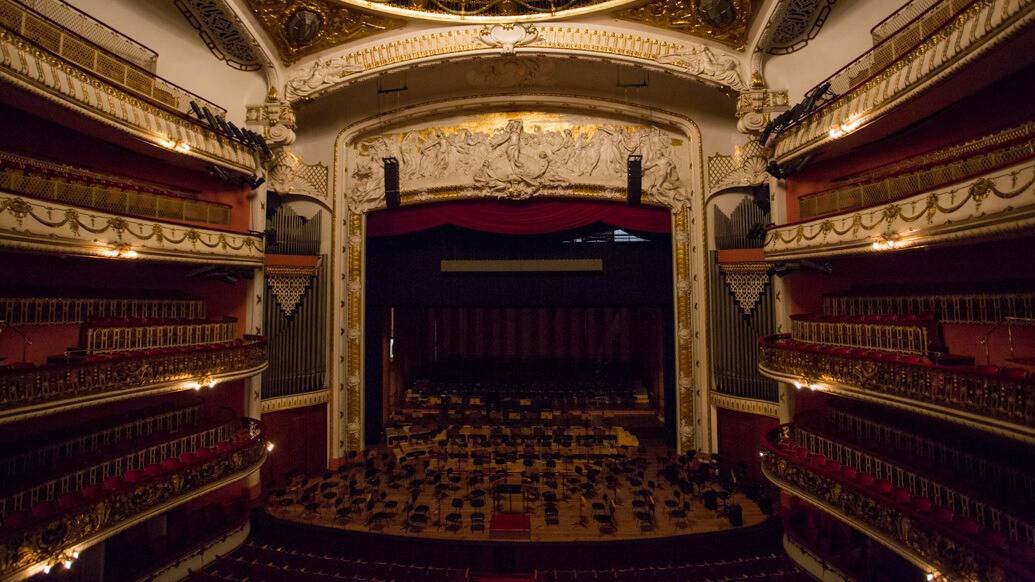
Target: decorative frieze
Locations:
point(33, 225)
point(992, 205)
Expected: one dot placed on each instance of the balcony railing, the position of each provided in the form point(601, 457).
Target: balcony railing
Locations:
point(985, 513)
point(938, 541)
point(96, 31)
point(933, 45)
point(27, 548)
point(33, 456)
point(910, 337)
point(26, 391)
point(985, 397)
point(75, 310)
point(948, 308)
point(106, 337)
point(920, 173)
point(69, 185)
point(42, 493)
point(56, 38)
point(899, 18)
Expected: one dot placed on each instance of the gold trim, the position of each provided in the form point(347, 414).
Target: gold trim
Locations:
point(296, 401)
point(684, 16)
point(746, 405)
point(403, 11)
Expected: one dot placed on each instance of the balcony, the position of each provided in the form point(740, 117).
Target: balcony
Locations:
point(27, 390)
point(60, 515)
point(989, 398)
point(907, 334)
point(995, 204)
point(936, 541)
point(28, 224)
point(913, 58)
point(47, 58)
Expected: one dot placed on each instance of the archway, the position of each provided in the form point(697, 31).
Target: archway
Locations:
point(507, 159)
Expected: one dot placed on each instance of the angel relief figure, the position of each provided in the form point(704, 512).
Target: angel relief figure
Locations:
point(367, 175)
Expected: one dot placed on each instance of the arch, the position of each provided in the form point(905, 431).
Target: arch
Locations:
point(688, 254)
point(679, 56)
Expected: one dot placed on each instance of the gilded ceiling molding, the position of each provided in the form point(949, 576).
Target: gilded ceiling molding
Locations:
point(692, 359)
point(489, 11)
point(303, 27)
point(725, 21)
point(708, 65)
point(793, 24)
point(995, 204)
point(223, 33)
point(892, 78)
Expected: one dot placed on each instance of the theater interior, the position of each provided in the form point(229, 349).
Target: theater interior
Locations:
point(517, 290)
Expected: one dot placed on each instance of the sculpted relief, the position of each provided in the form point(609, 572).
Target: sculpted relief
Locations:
point(517, 156)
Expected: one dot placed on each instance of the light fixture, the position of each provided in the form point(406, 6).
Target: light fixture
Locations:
point(120, 251)
point(68, 563)
point(182, 147)
point(75, 554)
point(46, 569)
point(888, 242)
point(269, 446)
point(839, 130)
point(167, 143)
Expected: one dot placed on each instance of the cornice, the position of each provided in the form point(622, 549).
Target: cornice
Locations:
point(680, 57)
point(295, 401)
point(979, 28)
point(51, 78)
point(746, 405)
point(33, 225)
point(993, 205)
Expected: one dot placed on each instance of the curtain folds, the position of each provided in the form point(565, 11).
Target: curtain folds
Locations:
point(526, 217)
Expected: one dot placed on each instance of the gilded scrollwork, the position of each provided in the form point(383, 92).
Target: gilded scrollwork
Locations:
point(21, 549)
point(725, 21)
point(989, 205)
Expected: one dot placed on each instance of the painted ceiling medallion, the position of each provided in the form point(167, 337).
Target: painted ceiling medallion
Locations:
point(304, 27)
point(483, 11)
point(725, 21)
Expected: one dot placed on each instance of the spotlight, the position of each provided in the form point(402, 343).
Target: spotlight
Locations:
point(197, 110)
point(235, 131)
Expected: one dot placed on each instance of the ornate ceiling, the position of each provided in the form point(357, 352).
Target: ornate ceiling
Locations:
point(304, 27)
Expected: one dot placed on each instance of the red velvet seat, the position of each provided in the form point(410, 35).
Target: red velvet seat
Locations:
point(113, 483)
point(43, 509)
point(922, 504)
point(188, 458)
point(944, 514)
point(153, 470)
point(133, 476)
point(171, 464)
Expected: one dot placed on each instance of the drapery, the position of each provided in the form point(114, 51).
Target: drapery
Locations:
point(525, 217)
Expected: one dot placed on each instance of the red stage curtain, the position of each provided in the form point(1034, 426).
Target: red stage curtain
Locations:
point(530, 217)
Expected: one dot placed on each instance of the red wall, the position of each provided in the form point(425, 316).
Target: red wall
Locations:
point(300, 436)
point(739, 436)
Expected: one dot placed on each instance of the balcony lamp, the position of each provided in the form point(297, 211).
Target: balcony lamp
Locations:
point(269, 446)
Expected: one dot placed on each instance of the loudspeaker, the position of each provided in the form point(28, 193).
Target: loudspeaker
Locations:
point(736, 515)
point(635, 173)
point(391, 182)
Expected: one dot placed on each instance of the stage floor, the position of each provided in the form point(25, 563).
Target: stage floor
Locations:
point(575, 512)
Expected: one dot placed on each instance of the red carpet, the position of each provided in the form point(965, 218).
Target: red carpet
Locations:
point(510, 526)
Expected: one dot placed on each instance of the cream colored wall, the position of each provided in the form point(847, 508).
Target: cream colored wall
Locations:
point(844, 36)
point(183, 57)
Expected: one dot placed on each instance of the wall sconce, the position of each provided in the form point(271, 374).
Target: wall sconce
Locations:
point(888, 242)
point(120, 251)
point(173, 144)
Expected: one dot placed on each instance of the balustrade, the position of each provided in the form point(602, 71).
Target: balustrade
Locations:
point(909, 337)
point(72, 310)
point(948, 308)
point(104, 337)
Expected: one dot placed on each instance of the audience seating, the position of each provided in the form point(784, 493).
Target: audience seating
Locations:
point(776, 568)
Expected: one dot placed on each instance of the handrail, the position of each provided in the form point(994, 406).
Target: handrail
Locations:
point(948, 307)
point(108, 337)
point(842, 86)
point(897, 524)
point(34, 386)
point(907, 8)
point(905, 337)
point(74, 310)
point(43, 540)
point(84, 54)
point(42, 6)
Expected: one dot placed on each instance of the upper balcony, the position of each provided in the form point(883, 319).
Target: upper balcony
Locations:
point(931, 535)
point(940, 53)
point(65, 493)
point(125, 347)
point(50, 56)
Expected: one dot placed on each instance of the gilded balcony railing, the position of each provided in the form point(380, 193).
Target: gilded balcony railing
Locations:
point(106, 338)
point(987, 398)
point(77, 50)
point(988, 515)
point(75, 479)
point(1003, 478)
point(41, 541)
point(75, 310)
point(925, 172)
point(899, 18)
point(70, 185)
point(949, 308)
point(24, 389)
point(96, 31)
point(909, 338)
point(957, 549)
point(32, 457)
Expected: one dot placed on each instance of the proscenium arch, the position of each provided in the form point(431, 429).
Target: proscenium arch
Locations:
point(611, 44)
point(692, 373)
